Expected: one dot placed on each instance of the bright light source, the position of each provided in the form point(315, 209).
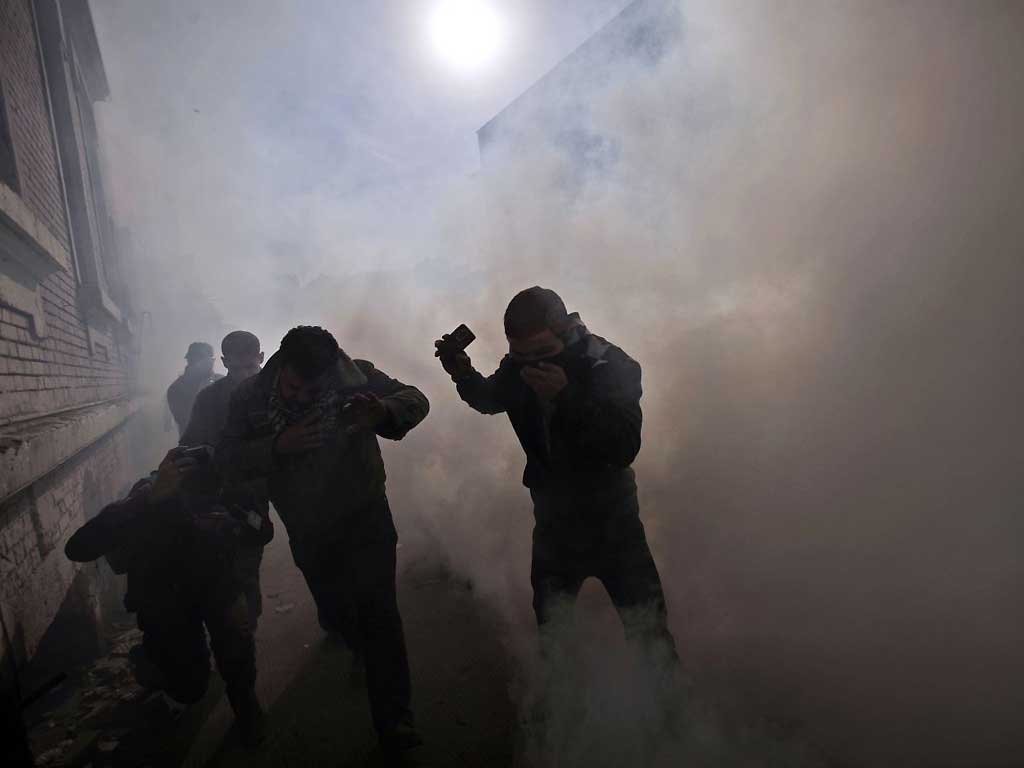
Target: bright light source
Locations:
point(467, 34)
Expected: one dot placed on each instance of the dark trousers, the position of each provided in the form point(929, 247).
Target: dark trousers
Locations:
point(605, 539)
point(354, 588)
point(174, 637)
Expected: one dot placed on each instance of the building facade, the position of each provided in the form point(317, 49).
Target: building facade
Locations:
point(556, 109)
point(68, 404)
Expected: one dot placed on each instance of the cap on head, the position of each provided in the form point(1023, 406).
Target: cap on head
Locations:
point(240, 344)
point(534, 311)
point(198, 350)
point(309, 350)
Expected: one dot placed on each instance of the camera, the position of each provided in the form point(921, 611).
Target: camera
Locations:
point(202, 454)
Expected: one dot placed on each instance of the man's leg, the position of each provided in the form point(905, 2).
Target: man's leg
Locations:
point(556, 580)
point(328, 579)
point(629, 574)
point(174, 641)
point(381, 638)
point(229, 620)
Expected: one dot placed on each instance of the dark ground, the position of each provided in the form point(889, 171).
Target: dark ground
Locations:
point(315, 699)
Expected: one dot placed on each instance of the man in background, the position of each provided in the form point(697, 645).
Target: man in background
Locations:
point(309, 423)
point(197, 375)
point(242, 357)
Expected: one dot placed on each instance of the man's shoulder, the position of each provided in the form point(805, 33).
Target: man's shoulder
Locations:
point(215, 389)
point(599, 351)
point(250, 389)
point(176, 385)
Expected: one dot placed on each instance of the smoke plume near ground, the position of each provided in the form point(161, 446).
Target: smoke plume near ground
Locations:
point(811, 241)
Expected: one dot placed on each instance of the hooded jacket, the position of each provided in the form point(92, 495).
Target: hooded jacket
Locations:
point(335, 492)
point(583, 443)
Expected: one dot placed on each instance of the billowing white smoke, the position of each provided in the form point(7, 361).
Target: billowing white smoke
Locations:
point(811, 240)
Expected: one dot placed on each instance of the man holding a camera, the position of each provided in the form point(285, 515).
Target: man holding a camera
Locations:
point(574, 402)
point(309, 423)
point(184, 542)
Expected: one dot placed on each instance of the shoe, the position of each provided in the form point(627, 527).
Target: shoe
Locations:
point(400, 738)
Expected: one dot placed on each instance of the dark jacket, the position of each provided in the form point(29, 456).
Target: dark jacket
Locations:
point(333, 493)
point(182, 394)
point(205, 425)
point(590, 436)
point(187, 542)
point(209, 413)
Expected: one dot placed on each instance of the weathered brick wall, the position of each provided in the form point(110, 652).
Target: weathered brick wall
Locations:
point(21, 73)
point(74, 364)
point(36, 524)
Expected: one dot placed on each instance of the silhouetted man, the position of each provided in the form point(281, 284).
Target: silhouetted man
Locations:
point(574, 402)
point(242, 357)
point(197, 375)
point(309, 422)
point(182, 540)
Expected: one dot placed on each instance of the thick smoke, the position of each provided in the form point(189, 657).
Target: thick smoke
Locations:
point(811, 240)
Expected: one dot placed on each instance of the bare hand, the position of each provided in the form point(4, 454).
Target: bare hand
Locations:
point(456, 365)
point(364, 411)
point(169, 476)
point(302, 437)
point(546, 380)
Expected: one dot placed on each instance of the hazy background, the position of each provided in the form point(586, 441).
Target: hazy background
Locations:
point(810, 238)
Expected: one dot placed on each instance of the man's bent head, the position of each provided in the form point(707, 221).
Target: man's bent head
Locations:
point(308, 355)
point(534, 323)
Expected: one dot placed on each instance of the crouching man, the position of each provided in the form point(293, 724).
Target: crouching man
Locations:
point(187, 548)
point(309, 423)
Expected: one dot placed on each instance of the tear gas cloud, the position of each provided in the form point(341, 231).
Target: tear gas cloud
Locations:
point(808, 233)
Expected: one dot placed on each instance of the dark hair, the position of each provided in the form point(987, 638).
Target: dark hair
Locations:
point(240, 343)
point(534, 311)
point(310, 350)
point(198, 350)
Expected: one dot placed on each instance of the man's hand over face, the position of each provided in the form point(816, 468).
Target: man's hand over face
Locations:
point(364, 411)
point(546, 380)
point(169, 476)
point(302, 437)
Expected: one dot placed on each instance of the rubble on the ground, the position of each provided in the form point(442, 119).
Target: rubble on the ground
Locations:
point(102, 718)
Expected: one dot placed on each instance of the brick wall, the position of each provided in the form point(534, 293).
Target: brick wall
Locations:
point(74, 364)
point(36, 524)
point(21, 72)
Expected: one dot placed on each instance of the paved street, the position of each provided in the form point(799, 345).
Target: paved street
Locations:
point(317, 703)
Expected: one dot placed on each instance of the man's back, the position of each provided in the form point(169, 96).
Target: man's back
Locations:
point(209, 412)
point(182, 393)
